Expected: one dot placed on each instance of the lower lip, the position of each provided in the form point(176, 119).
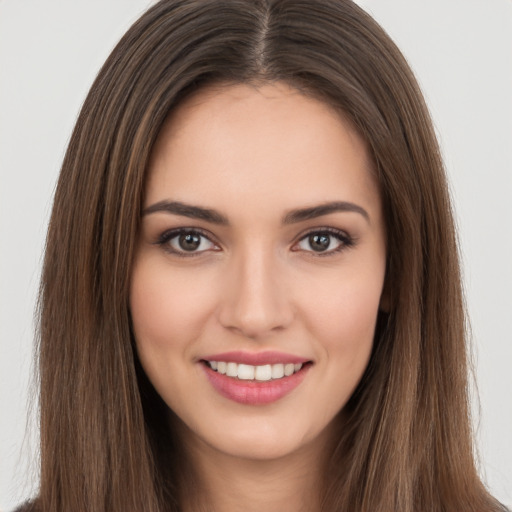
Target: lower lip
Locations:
point(251, 392)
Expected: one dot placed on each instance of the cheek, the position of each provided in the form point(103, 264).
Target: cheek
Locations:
point(341, 317)
point(344, 309)
point(168, 311)
point(167, 308)
point(346, 336)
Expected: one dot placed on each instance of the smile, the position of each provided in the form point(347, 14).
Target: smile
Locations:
point(260, 373)
point(255, 379)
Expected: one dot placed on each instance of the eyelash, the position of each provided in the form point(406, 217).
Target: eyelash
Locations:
point(346, 241)
point(167, 236)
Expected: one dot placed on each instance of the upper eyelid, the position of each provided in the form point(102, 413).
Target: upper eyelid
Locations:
point(171, 233)
point(212, 237)
point(332, 231)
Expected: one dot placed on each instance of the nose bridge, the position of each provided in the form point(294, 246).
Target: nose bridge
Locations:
point(255, 302)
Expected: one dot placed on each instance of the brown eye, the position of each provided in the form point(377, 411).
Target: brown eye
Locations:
point(189, 241)
point(319, 243)
point(186, 242)
point(325, 242)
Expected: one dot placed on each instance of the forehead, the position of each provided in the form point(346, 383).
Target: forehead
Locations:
point(267, 143)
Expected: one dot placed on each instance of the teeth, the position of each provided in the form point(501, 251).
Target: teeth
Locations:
point(249, 372)
point(277, 371)
point(263, 372)
point(232, 370)
point(289, 369)
point(245, 372)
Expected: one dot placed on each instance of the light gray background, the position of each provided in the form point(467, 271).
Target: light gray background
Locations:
point(461, 51)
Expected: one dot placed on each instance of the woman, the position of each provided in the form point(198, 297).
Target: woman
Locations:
point(250, 186)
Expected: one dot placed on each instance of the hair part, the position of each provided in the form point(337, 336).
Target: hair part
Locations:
point(406, 442)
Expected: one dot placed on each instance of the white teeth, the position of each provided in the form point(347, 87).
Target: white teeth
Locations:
point(232, 370)
point(249, 372)
point(289, 369)
point(245, 372)
point(277, 371)
point(263, 372)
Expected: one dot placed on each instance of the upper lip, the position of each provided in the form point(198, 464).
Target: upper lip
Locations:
point(256, 358)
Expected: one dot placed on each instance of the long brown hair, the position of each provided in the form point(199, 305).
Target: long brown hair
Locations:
point(407, 442)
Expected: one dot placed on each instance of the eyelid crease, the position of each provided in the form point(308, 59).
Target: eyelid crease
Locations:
point(172, 232)
point(324, 229)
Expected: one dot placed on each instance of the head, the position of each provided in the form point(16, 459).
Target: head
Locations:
point(395, 447)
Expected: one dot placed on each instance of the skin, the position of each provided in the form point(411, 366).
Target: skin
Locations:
point(254, 154)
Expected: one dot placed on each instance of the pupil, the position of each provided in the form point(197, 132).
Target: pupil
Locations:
point(189, 241)
point(319, 242)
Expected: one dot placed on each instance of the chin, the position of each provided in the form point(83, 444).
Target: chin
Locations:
point(261, 439)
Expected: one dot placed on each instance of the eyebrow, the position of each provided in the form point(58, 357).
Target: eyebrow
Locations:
point(303, 214)
point(292, 217)
point(187, 210)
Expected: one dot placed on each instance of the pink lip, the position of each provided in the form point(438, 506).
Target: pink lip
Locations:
point(256, 358)
point(251, 392)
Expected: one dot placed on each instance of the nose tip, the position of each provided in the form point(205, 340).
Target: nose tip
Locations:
point(253, 327)
point(255, 303)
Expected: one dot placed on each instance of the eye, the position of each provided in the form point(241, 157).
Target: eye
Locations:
point(186, 242)
point(325, 241)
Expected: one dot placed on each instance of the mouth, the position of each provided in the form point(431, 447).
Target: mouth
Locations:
point(258, 373)
point(255, 384)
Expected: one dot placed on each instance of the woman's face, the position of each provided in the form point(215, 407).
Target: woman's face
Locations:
point(259, 269)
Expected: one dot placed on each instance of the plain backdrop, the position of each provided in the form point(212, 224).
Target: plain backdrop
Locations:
point(461, 51)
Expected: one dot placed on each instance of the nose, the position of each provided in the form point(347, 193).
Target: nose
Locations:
point(255, 301)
